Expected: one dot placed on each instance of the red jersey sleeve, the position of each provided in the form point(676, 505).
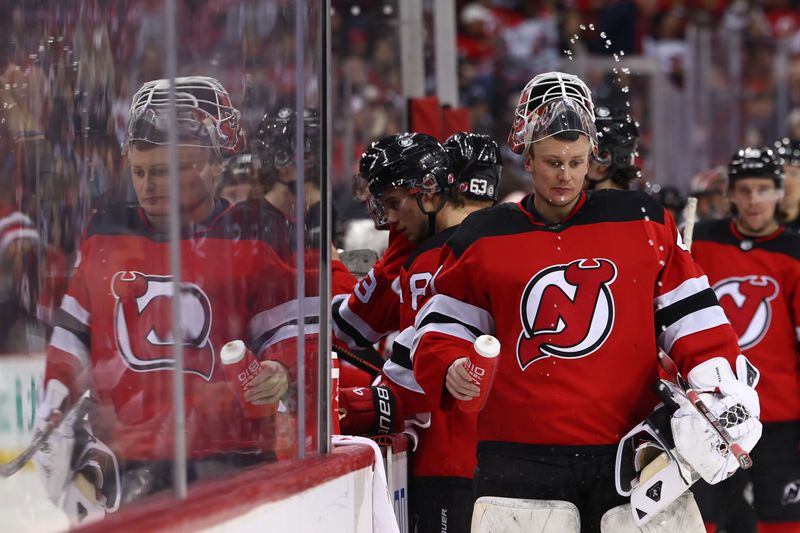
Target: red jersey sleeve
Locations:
point(690, 324)
point(371, 311)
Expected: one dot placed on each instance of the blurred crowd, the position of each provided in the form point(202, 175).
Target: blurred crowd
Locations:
point(753, 71)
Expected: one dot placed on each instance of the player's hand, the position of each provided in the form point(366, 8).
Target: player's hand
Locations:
point(335, 254)
point(458, 382)
point(269, 385)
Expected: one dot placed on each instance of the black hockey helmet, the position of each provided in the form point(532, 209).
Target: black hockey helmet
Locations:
point(275, 140)
point(413, 161)
point(617, 138)
point(788, 151)
point(477, 163)
point(755, 163)
point(361, 185)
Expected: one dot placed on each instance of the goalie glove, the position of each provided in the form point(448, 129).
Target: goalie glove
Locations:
point(372, 410)
point(733, 400)
point(53, 459)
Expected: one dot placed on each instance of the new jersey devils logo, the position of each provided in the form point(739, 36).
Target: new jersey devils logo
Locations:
point(143, 328)
point(567, 311)
point(746, 302)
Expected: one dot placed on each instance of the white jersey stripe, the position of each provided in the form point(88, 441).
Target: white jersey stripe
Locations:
point(402, 376)
point(280, 314)
point(68, 342)
point(288, 332)
point(71, 306)
point(700, 320)
point(688, 288)
point(469, 314)
point(452, 329)
point(15, 218)
point(354, 320)
point(16, 234)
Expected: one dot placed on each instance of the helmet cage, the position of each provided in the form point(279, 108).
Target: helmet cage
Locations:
point(205, 116)
point(573, 110)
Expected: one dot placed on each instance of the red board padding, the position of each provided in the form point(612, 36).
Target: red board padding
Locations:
point(212, 502)
point(455, 119)
point(425, 116)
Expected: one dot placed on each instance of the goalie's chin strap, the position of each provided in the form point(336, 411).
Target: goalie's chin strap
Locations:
point(431, 214)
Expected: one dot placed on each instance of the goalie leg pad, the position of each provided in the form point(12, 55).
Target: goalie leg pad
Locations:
point(493, 514)
point(681, 515)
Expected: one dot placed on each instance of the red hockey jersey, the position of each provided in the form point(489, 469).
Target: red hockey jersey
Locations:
point(113, 331)
point(372, 311)
point(579, 307)
point(757, 282)
point(447, 446)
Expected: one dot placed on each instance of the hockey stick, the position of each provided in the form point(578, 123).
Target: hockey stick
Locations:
point(40, 440)
point(689, 217)
point(675, 377)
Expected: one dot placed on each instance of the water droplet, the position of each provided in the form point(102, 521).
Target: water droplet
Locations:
point(608, 43)
point(625, 90)
point(591, 27)
point(621, 53)
point(650, 242)
point(647, 218)
point(662, 263)
point(660, 248)
point(627, 104)
point(660, 284)
point(616, 58)
point(644, 210)
point(626, 70)
point(602, 35)
point(582, 27)
point(576, 36)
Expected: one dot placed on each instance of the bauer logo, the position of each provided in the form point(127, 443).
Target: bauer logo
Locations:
point(746, 302)
point(567, 311)
point(143, 327)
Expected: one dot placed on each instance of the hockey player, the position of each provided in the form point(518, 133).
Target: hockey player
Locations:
point(371, 311)
point(581, 290)
point(113, 334)
point(612, 167)
point(788, 150)
point(753, 265)
point(412, 177)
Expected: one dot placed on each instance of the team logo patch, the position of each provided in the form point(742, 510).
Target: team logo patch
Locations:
point(143, 328)
point(746, 302)
point(791, 493)
point(567, 311)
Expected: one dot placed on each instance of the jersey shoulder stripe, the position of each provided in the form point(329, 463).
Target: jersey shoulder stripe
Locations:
point(618, 206)
point(714, 230)
point(431, 243)
point(719, 231)
point(495, 221)
point(242, 221)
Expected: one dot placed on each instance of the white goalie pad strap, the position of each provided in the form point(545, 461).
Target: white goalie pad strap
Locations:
point(80, 502)
point(493, 514)
point(660, 485)
point(681, 515)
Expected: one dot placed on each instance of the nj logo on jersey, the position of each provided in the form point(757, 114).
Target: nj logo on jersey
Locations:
point(143, 327)
point(746, 302)
point(567, 311)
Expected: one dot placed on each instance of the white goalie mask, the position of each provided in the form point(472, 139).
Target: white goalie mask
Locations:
point(550, 104)
point(205, 116)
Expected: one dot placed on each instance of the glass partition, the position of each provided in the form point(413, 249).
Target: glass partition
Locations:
point(164, 176)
